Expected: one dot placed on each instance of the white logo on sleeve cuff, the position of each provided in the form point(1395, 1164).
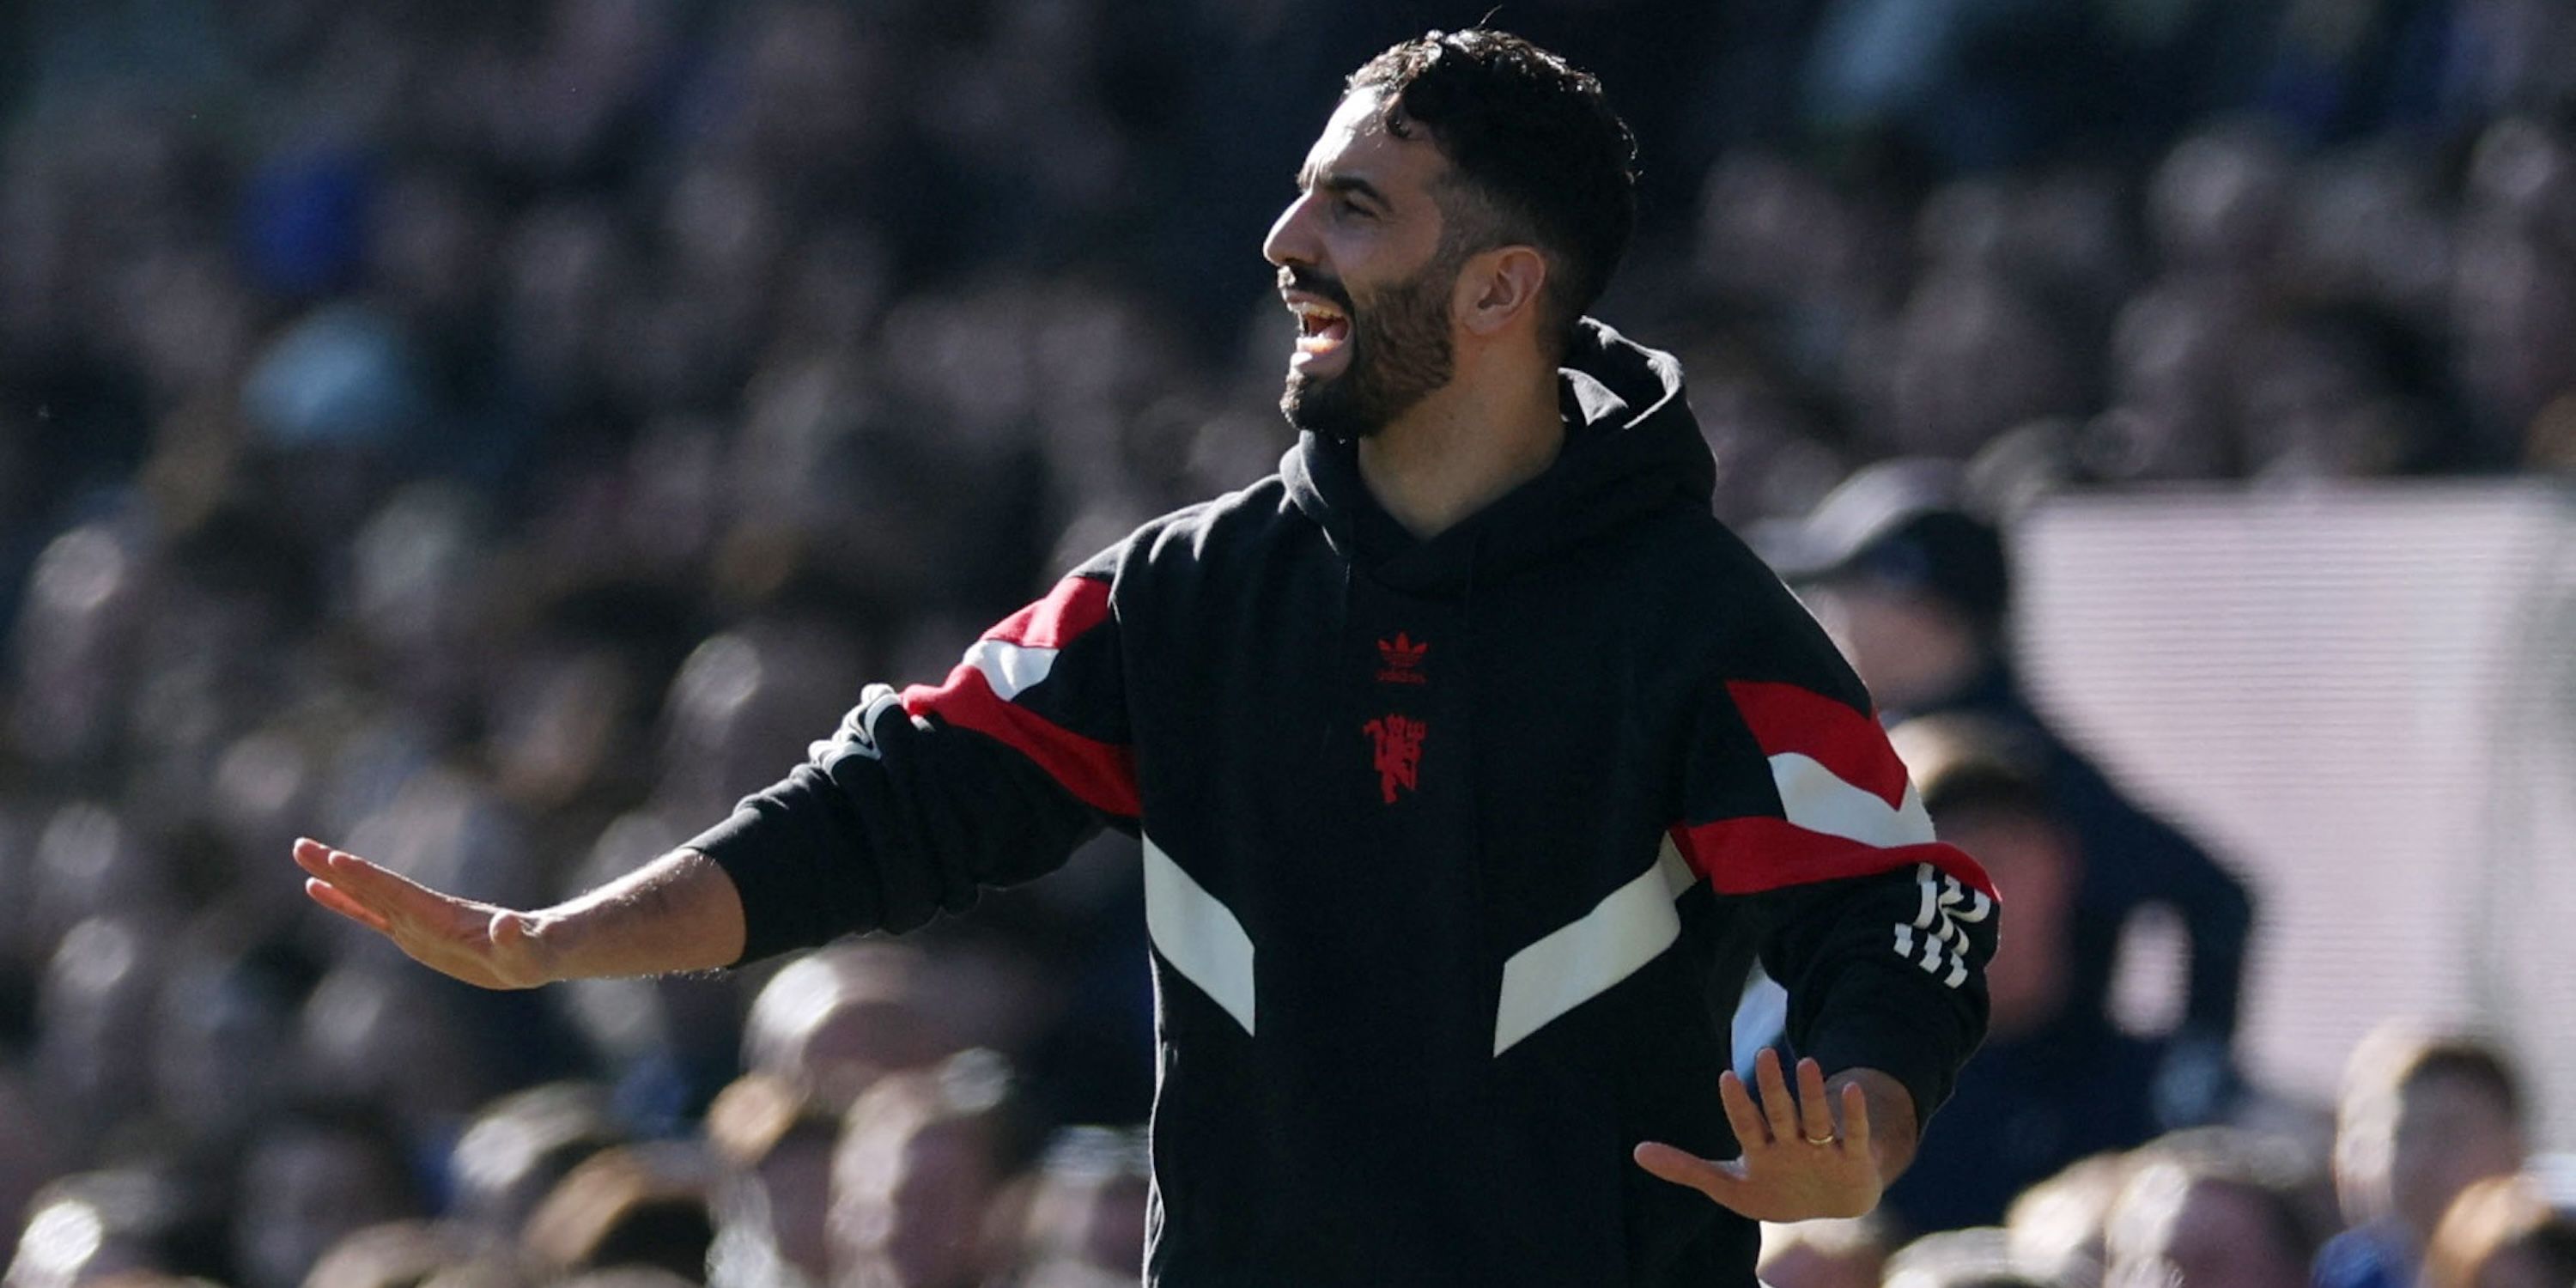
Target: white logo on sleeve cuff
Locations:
point(1933, 940)
point(1198, 935)
point(1010, 668)
point(857, 735)
point(1816, 798)
point(1583, 958)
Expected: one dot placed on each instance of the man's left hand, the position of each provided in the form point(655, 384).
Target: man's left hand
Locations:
point(1799, 1162)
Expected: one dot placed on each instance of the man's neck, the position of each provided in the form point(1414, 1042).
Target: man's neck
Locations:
point(1463, 447)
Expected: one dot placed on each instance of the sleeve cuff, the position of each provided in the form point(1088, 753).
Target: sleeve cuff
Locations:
point(1917, 1051)
point(765, 888)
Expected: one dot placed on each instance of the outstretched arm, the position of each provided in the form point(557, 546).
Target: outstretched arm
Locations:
point(677, 913)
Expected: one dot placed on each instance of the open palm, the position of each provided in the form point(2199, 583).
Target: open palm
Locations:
point(479, 943)
point(1796, 1165)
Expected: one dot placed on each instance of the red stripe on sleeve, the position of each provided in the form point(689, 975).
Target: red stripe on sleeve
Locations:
point(1102, 775)
point(1787, 719)
point(1751, 855)
point(1075, 605)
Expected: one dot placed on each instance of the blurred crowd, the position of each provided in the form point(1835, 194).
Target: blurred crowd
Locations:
point(494, 436)
point(2426, 1182)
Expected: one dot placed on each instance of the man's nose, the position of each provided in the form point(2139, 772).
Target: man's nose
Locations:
point(1291, 239)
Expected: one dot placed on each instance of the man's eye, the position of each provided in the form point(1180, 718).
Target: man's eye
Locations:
point(1346, 206)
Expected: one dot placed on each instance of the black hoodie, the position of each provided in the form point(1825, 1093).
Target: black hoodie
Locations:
point(1455, 851)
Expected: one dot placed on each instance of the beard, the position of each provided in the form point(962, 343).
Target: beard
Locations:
point(1400, 352)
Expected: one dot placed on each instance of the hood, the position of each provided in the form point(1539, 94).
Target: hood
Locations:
point(1631, 447)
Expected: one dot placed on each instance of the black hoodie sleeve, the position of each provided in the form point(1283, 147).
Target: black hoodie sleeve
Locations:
point(925, 796)
point(1799, 812)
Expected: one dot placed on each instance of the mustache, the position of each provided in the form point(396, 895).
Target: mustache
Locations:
point(1295, 278)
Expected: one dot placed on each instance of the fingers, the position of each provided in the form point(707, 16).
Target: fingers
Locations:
point(1815, 1108)
point(1750, 1133)
point(1856, 1119)
point(376, 888)
point(1681, 1167)
point(1779, 1108)
point(313, 856)
point(338, 900)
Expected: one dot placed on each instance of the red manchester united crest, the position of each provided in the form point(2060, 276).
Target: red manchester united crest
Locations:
point(1399, 752)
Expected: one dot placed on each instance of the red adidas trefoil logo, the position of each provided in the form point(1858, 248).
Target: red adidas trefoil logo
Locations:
point(1400, 661)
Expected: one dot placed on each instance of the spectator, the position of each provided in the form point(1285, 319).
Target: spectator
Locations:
point(833, 1022)
point(2057, 1225)
point(2054, 1081)
point(625, 1207)
point(518, 1149)
point(1917, 589)
point(1087, 1210)
point(922, 1175)
point(773, 1196)
point(2216, 1209)
point(2423, 1116)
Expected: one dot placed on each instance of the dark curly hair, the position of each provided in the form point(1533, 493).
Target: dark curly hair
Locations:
point(1538, 156)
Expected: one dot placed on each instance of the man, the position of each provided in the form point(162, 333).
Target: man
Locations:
point(1458, 748)
point(2215, 1208)
point(926, 1174)
point(1916, 588)
point(2423, 1115)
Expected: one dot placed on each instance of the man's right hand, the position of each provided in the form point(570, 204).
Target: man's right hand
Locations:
point(479, 943)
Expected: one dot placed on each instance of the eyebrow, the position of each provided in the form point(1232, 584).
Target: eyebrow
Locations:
point(1345, 184)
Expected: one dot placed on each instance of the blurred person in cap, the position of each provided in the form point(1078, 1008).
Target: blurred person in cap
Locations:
point(2423, 1115)
point(516, 1149)
point(628, 1205)
point(773, 1143)
point(1457, 747)
point(834, 1021)
point(1913, 581)
point(2055, 1081)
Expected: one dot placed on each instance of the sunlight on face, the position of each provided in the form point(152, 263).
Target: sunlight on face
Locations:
point(1363, 266)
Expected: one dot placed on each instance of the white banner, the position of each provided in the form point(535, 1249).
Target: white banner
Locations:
point(2365, 701)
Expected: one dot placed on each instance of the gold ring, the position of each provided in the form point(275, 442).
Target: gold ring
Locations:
point(1825, 1139)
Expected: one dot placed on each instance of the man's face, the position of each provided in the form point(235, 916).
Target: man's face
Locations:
point(1363, 264)
point(2033, 863)
point(2450, 1132)
point(909, 1205)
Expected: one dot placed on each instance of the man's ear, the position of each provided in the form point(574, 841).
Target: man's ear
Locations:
point(1500, 289)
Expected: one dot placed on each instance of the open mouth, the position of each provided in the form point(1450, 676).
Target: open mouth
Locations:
point(1321, 327)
